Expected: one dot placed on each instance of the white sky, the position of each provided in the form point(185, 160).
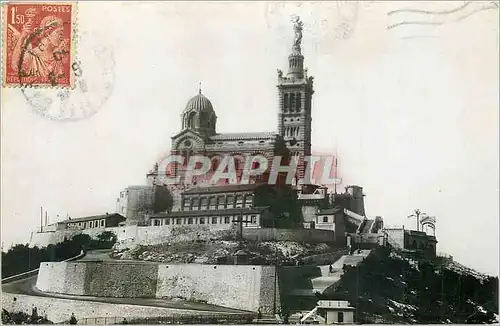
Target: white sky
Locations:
point(415, 119)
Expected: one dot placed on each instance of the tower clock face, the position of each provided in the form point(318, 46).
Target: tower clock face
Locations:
point(293, 141)
point(187, 143)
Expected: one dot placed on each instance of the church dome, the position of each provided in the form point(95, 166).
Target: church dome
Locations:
point(199, 103)
point(199, 115)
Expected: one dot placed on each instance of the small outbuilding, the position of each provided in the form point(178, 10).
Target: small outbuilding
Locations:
point(336, 312)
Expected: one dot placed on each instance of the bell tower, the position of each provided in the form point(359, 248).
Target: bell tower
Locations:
point(295, 92)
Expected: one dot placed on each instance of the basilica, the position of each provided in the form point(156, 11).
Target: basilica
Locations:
point(199, 135)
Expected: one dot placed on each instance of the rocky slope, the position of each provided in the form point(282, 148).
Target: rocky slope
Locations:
point(390, 286)
point(223, 252)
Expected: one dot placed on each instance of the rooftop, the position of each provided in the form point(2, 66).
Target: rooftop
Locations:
point(91, 218)
point(327, 211)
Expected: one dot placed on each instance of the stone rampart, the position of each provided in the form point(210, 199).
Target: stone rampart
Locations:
point(59, 310)
point(244, 287)
point(123, 280)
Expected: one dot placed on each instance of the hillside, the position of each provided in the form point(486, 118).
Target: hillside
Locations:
point(223, 252)
point(390, 286)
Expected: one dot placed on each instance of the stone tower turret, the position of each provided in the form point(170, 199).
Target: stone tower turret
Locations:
point(295, 96)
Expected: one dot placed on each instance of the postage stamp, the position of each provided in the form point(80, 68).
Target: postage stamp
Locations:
point(94, 77)
point(39, 44)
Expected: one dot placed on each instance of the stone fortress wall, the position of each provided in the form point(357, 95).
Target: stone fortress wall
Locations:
point(59, 310)
point(129, 236)
point(245, 287)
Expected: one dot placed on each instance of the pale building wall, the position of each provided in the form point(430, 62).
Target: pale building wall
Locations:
point(309, 212)
point(332, 317)
point(395, 237)
point(325, 222)
point(134, 202)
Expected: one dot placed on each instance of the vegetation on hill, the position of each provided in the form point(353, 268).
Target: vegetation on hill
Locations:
point(19, 317)
point(21, 258)
point(395, 287)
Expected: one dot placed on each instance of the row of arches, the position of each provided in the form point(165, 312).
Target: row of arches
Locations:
point(194, 120)
point(292, 132)
point(292, 101)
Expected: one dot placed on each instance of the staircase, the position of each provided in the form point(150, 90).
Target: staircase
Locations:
point(305, 282)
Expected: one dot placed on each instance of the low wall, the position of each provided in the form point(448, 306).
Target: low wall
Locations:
point(298, 235)
point(128, 236)
point(59, 310)
point(244, 287)
point(324, 259)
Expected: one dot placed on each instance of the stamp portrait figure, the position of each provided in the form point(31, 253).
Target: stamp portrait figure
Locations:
point(38, 44)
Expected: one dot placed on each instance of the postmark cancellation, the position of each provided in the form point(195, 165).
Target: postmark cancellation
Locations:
point(39, 44)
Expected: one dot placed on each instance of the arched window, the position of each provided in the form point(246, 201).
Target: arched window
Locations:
point(298, 102)
point(292, 102)
point(187, 153)
point(286, 104)
point(191, 120)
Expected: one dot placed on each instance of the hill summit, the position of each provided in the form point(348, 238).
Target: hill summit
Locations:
point(392, 286)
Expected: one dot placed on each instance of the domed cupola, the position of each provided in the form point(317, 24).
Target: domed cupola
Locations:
point(199, 115)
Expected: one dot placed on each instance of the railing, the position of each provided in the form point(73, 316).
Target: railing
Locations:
point(242, 318)
point(35, 271)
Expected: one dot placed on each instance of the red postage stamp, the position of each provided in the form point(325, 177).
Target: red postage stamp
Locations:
point(38, 44)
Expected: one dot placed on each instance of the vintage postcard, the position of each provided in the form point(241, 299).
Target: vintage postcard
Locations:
point(183, 162)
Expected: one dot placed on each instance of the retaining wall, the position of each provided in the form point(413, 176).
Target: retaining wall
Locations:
point(130, 236)
point(244, 287)
point(59, 310)
point(298, 235)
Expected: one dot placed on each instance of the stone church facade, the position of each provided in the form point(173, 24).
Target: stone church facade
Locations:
point(199, 136)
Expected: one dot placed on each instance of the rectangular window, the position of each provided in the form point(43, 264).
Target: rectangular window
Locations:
point(202, 220)
point(230, 202)
point(227, 220)
point(253, 218)
point(248, 201)
point(221, 204)
point(178, 221)
point(204, 203)
point(213, 203)
point(214, 220)
point(157, 222)
point(190, 220)
point(239, 201)
point(167, 221)
point(102, 223)
point(325, 219)
point(196, 204)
